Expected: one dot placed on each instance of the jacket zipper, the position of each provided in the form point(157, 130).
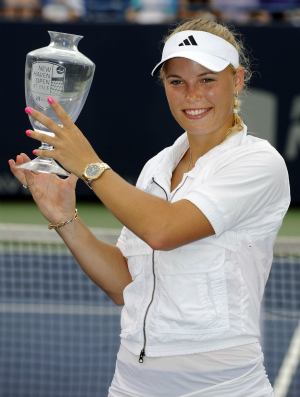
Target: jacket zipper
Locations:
point(143, 351)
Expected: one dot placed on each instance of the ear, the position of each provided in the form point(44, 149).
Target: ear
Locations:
point(239, 78)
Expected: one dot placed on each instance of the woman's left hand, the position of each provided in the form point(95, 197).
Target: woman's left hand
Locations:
point(71, 149)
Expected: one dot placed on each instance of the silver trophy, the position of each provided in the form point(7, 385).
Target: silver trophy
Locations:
point(62, 72)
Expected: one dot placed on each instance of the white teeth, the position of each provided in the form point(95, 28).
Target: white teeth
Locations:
point(196, 112)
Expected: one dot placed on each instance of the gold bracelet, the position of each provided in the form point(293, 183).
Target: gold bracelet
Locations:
point(50, 226)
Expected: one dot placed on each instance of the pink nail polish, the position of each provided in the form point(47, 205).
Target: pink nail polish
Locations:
point(28, 133)
point(28, 110)
point(50, 99)
point(34, 151)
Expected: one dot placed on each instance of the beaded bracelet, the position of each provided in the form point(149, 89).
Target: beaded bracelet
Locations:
point(50, 226)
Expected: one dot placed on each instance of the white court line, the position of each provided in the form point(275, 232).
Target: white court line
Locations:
point(15, 233)
point(59, 309)
point(288, 366)
point(280, 315)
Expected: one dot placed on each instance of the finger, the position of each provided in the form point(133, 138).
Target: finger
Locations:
point(46, 121)
point(41, 137)
point(20, 160)
point(61, 113)
point(25, 157)
point(25, 160)
point(45, 153)
point(18, 173)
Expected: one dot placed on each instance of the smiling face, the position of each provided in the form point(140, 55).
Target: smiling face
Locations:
point(200, 100)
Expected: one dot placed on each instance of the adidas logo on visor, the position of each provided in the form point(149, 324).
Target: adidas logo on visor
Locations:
point(189, 41)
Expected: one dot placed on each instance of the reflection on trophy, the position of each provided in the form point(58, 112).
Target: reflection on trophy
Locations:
point(61, 71)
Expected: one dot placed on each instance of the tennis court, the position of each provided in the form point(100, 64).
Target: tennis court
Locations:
point(60, 332)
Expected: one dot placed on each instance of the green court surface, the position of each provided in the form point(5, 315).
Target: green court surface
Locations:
point(26, 212)
point(96, 215)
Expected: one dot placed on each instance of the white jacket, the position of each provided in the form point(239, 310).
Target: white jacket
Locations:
point(206, 295)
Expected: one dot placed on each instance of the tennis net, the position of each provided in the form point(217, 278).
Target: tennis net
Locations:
point(59, 333)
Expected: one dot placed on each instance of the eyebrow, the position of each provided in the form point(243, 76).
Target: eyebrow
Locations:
point(199, 75)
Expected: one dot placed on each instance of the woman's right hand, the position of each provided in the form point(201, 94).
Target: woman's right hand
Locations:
point(54, 196)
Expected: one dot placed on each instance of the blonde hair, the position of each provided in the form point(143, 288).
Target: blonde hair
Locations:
point(227, 33)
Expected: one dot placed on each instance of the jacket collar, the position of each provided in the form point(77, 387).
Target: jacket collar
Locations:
point(172, 155)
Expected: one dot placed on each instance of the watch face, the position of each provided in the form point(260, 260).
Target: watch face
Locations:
point(93, 170)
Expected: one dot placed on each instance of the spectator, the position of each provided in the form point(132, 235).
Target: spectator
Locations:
point(63, 10)
point(235, 11)
point(195, 8)
point(151, 11)
point(242, 11)
point(21, 9)
point(279, 9)
point(293, 17)
point(260, 17)
point(275, 6)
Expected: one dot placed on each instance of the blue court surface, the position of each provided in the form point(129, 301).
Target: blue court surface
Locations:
point(59, 333)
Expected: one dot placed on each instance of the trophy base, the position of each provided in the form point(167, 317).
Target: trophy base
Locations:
point(43, 164)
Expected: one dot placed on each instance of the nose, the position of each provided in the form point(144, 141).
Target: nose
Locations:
point(193, 93)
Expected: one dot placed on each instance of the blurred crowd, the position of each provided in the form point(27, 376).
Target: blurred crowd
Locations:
point(243, 12)
point(51, 10)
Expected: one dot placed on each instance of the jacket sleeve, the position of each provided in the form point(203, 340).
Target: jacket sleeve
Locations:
point(250, 190)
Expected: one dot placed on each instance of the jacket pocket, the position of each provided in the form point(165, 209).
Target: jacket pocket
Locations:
point(138, 254)
point(133, 295)
point(192, 291)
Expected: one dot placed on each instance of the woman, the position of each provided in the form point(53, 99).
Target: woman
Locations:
point(196, 250)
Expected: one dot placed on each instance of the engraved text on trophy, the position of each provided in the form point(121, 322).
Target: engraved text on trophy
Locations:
point(47, 78)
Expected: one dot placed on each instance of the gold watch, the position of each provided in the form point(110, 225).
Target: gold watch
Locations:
point(94, 171)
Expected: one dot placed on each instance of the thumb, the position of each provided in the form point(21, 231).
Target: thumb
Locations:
point(30, 182)
point(72, 179)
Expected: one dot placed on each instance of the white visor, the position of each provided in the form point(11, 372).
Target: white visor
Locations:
point(212, 52)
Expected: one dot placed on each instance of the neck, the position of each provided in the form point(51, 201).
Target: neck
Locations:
point(199, 147)
point(201, 144)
